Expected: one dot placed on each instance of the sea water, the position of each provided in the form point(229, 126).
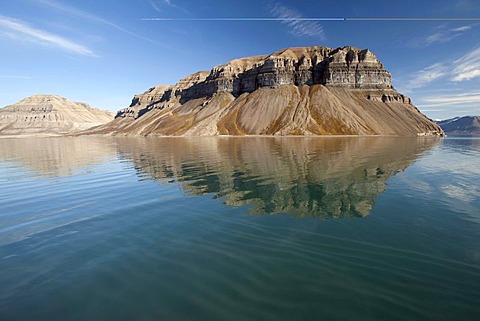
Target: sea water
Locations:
point(239, 229)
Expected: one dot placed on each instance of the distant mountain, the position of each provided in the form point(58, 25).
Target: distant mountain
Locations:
point(296, 91)
point(40, 115)
point(461, 126)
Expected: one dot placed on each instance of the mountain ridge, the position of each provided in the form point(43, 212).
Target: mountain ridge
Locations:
point(461, 126)
point(295, 91)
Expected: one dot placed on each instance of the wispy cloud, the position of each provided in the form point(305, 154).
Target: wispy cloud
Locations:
point(464, 99)
point(154, 5)
point(450, 105)
point(445, 35)
point(298, 28)
point(464, 68)
point(427, 75)
point(461, 29)
point(157, 5)
point(22, 31)
point(467, 67)
point(15, 77)
point(439, 35)
point(429, 110)
point(91, 17)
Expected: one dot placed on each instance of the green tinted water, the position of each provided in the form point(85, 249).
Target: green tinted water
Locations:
point(239, 228)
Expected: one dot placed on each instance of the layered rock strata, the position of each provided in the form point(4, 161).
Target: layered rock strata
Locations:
point(50, 115)
point(296, 91)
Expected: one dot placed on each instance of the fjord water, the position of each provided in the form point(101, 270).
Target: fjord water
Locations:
point(239, 228)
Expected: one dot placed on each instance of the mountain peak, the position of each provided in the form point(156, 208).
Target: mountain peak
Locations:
point(312, 90)
point(44, 98)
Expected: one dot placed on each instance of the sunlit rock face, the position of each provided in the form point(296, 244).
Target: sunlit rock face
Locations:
point(296, 91)
point(50, 115)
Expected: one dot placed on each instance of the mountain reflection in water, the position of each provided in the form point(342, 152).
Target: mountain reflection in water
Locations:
point(321, 177)
point(172, 229)
point(57, 156)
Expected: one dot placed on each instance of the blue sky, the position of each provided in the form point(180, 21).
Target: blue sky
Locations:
point(103, 52)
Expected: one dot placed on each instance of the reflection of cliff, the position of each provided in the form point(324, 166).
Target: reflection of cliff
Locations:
point(325, 177)
point(56, 156)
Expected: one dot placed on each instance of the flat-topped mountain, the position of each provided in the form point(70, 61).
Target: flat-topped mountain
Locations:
point(461, 126)
point(50, 115)
point(296, 91)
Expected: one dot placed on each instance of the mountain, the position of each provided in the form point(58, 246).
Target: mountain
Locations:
point(49, 115)
point(296, 91)
point(461, 126)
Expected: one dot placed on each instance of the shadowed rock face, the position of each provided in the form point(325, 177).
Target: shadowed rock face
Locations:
point(49, 115)
point(296, 91)
point(321, 177)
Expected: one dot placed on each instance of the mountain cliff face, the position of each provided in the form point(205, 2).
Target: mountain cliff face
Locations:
point(297, 91)
point(49, 115)
point(461, 126)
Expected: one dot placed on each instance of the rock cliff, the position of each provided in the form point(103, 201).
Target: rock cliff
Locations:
point(296, 91)
point(49, 115)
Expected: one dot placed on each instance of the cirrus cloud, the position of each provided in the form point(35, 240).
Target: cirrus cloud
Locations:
point(299, 28)
point(22, 31)
point(467, 67)
point(464, 68)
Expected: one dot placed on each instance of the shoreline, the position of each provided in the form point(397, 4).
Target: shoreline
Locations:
point(216, 136)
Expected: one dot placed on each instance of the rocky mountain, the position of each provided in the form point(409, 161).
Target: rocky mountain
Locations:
point(296, 91)
point(49, 115)
point(461, 126)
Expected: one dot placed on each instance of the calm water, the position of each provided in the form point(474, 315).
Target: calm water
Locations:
point(239, 228)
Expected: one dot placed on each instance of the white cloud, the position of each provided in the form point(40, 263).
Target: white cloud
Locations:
point(461, 29)
point(15, 77)
point(157, 4)
point(19, 30)
point(154, 5)
point(451, 104)
point(465, 98)
point(464, 68)
point(467, 67)
point(441, 34)
point(467, 75)
point(427, 75)
point(91, 17)
point(300, 28)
